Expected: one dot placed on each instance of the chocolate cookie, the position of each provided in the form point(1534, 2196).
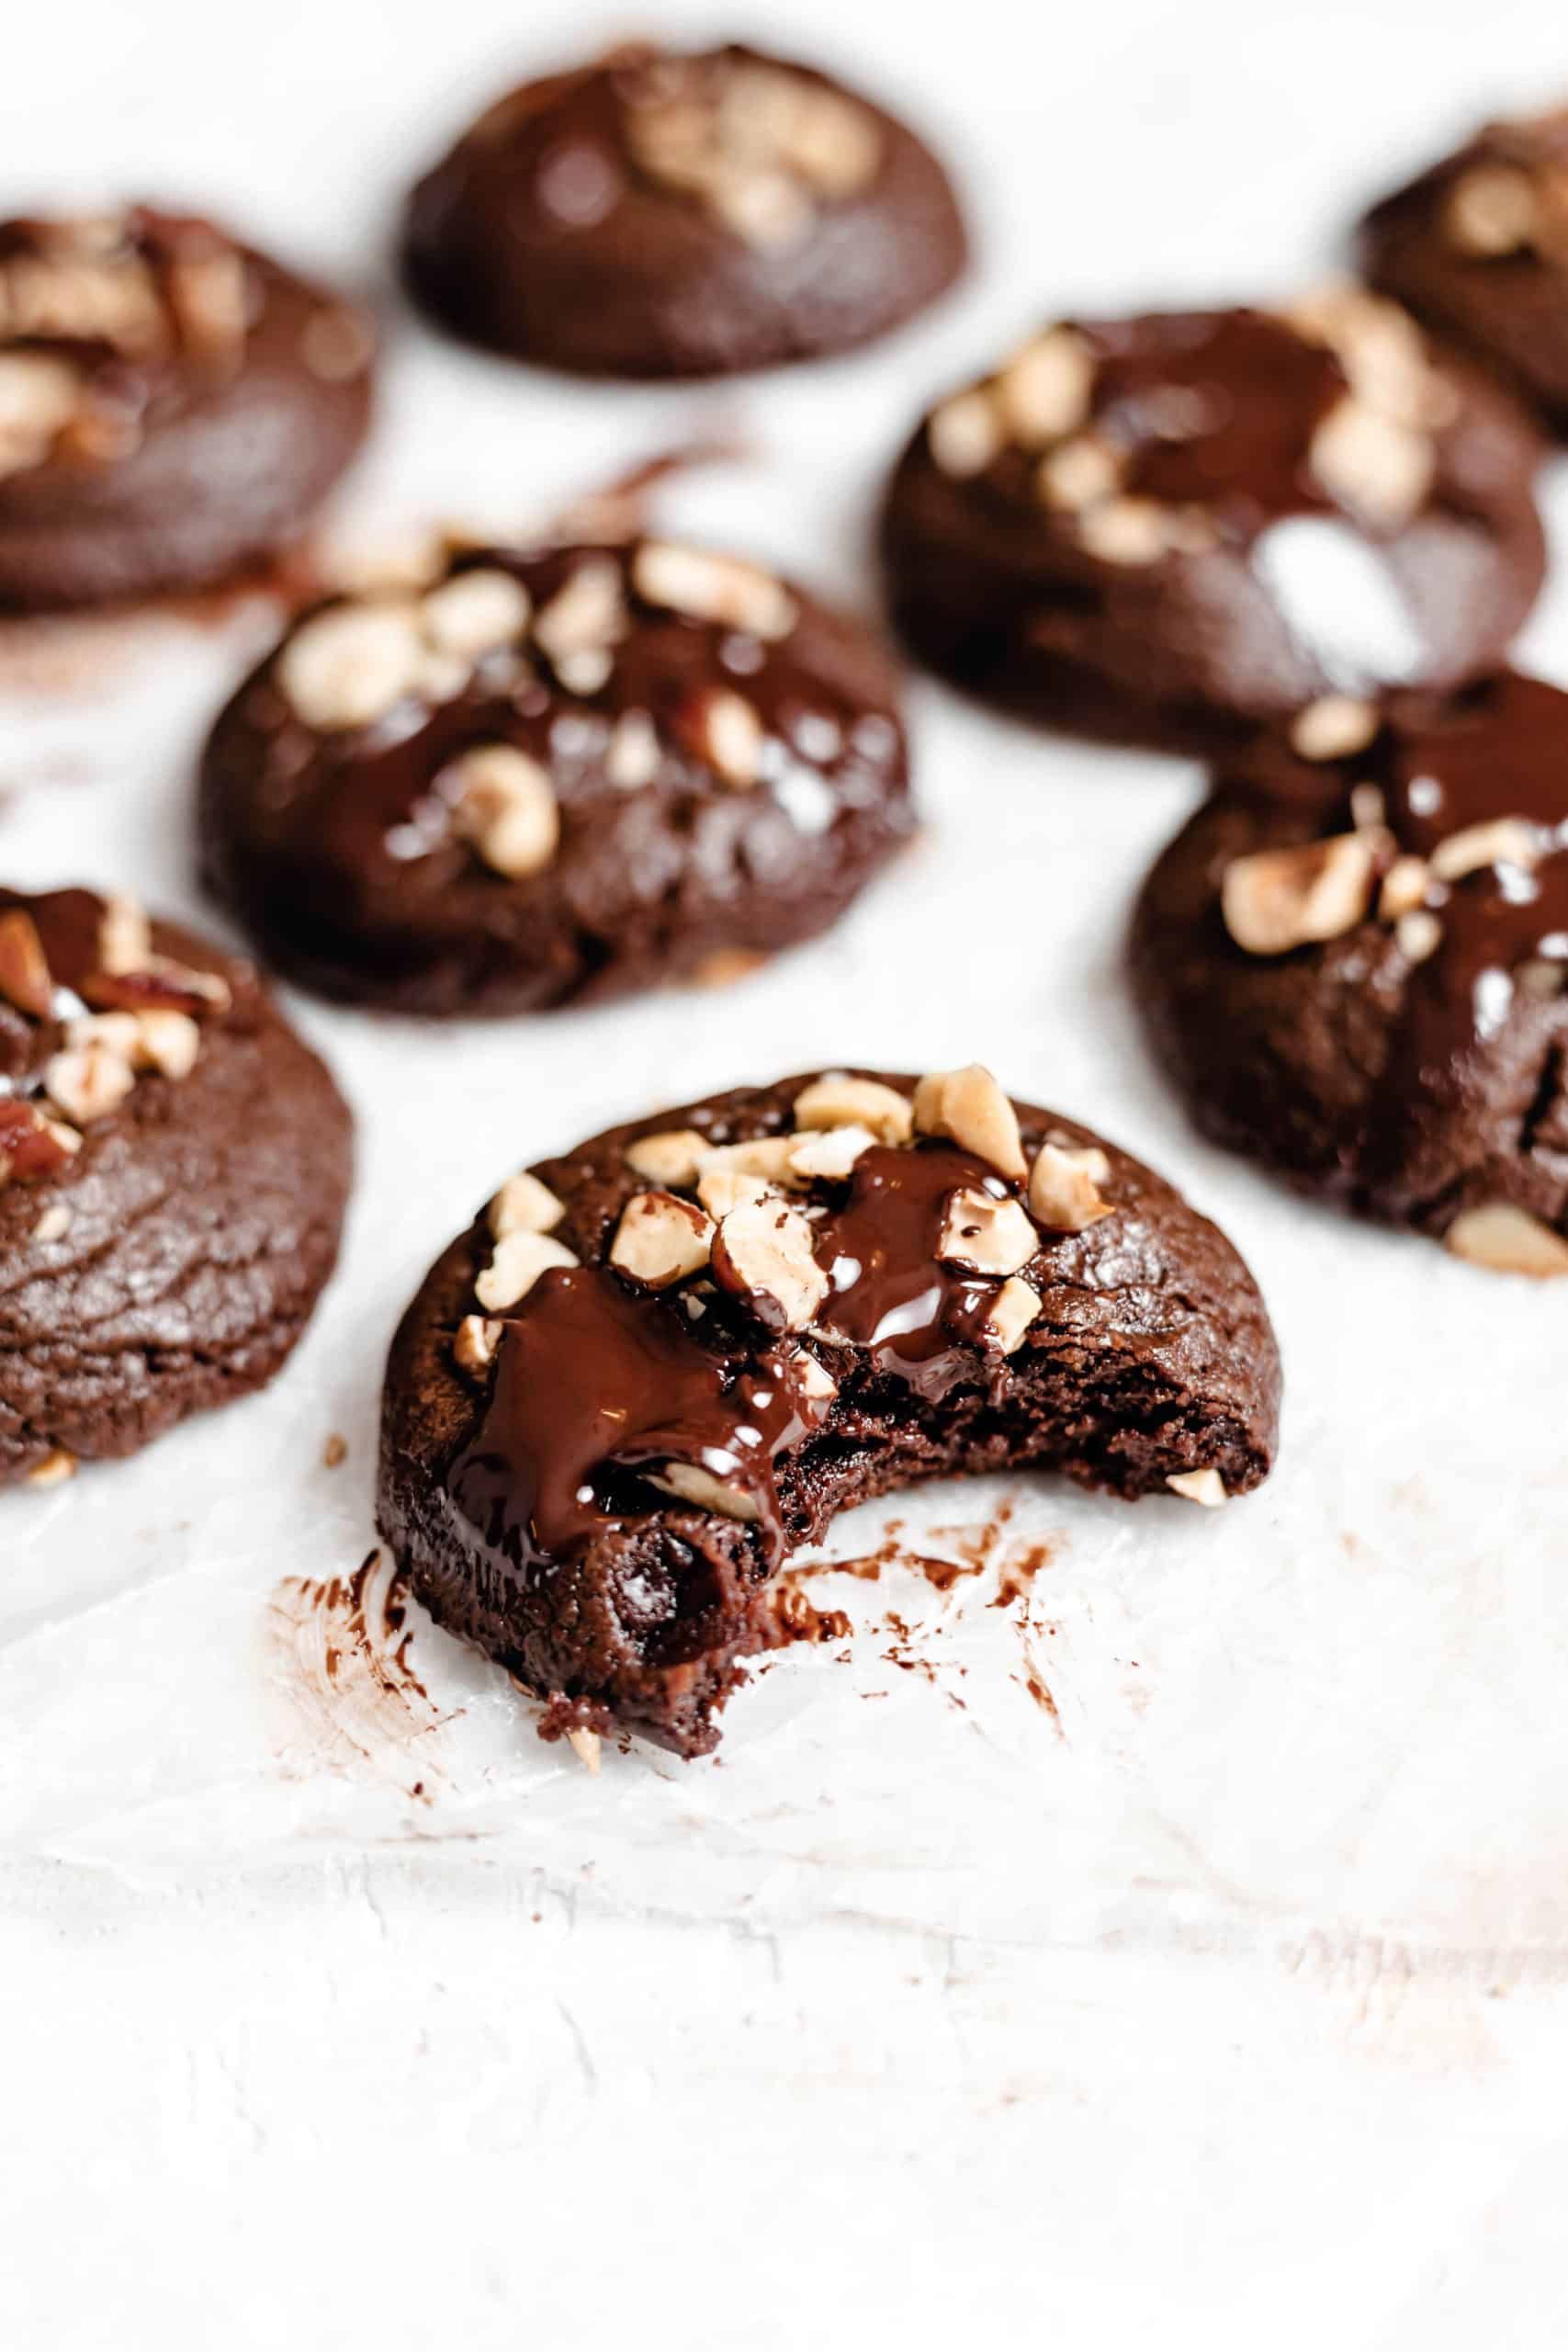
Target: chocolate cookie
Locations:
point(1164, 529)
point(1478, 248)
point(1353, 961)
point(173, 405)
point(552, 777)
point(653, 1367)
point(660, 214)
point(174, 1165)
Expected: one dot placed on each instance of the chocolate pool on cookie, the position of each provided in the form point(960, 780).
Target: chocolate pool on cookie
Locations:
point(658, 213)
point(173, 405)
point(174, 1166)
point(1478, 248)
point(554, 776)
point(1164, 529)
point(654, 1366)
point(1354, 961)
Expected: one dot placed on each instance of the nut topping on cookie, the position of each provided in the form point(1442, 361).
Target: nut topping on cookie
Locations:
point(516, 1263)
point(673, 1158)
point(837, 1100)
point(1064, 1188)
point(1205, 1488)
point(660, 1239)
point(474, 612)
point(1507, 1240)
point(689, 1483)
point(762, 1255)
point(970, 1107)
point(506, 807)
point(714, 588)
point(1277, 899)
point(1336, 727)
point(24, 967)
point(1505, 841)
point(525, 1206)
point(987, 1235)
point(1011, 1312)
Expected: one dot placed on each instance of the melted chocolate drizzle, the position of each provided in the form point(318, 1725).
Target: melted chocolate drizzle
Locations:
point(594, 1379)
point(369, 803)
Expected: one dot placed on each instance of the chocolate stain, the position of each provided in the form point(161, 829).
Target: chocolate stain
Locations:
point(968, 1552)
point(338, 1654)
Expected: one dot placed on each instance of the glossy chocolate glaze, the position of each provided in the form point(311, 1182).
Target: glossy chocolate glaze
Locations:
point(594, 1376)
point(1211, 408)
point(369, 803)
point(1497, 750)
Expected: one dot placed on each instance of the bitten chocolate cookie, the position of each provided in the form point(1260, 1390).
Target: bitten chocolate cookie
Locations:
point(173, 405)
point(653, 1367)
point(660, 214)
point(1353, 962)
point(553, 777)
point(174, 1165)
point(1164, 529)
point(1478, 248)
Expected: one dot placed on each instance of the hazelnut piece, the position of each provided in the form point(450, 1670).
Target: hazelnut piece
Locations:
point(1275, 900)
point(762, 1254)
point(968, 1106)
point(660, 1239)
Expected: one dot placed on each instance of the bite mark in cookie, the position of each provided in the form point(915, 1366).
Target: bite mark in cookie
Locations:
point(600, 1481)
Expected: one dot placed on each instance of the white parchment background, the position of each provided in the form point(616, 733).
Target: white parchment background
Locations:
point(1224, 2003)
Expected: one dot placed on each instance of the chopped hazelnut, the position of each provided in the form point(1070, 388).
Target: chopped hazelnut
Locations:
point(1505, 841)
point(125, 936)
point(1507, 1240)
point(1064, 1188)
point(1129, 531)
point(729, 733)
point(1369, 810)
point(1371, 462)
point(769, 1157)
point(585, 671)
point(1336, 727)
point(1276, 900)
point(721, 1189)
point(525, 1206)
point(587, 613)
point(673, 1157)
point(53, 1470)
point(353, 663)
point(838, 1101)
point(507, 809)
point(632, 759)
point(969, 1106)
point(660, 1239)
point(1492, 211)
point(24, 967)
point(474, 612)
point(478, 1339)
point(691, 1484)
point(54, 1224)
point(813, 1379)
point(38, 395)
point(1420, 934)
point(987, 1235)
point(762, 1254)
point(829, 1152)
point(166, 1042)
point(1045, 390)
point(88, 1081)
point(720, 588)
point(1404, 888)
point(518, 1261)
point(1009, 1315)
point(587, 1746)
point(966, 434)
point(1205, 1488)
point(767, 208)
point(1078, 473)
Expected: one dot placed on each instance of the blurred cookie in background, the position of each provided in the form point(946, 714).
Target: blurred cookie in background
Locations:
point(1354, 962)
point(657, 213)
point(173, 1168)
point(1164, 529)
point(174, 406)
point(1478, 247)
point(549, 776)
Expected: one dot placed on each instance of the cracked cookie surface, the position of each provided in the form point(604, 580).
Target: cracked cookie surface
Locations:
point(174, 1168)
